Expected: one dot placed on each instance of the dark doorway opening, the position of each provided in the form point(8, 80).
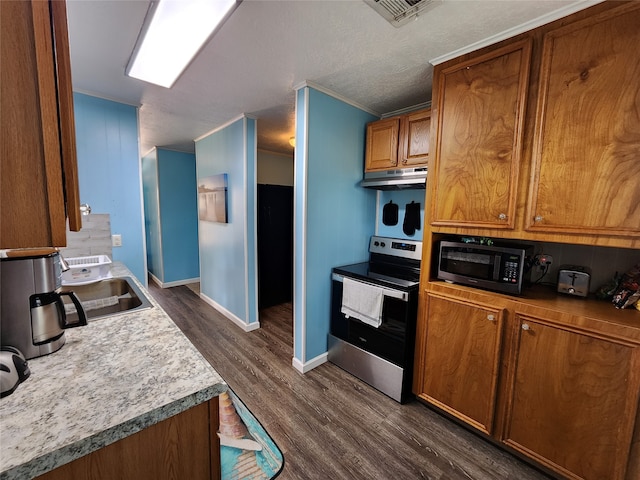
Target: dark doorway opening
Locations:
point(275, 245)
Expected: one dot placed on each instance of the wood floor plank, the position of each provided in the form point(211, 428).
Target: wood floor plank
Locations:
point(327, 423)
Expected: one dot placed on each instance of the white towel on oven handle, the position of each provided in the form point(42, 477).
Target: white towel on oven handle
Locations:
point(362, 301)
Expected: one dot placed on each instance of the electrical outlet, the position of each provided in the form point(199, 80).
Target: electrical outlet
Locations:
point(544, 261)
point(116, 240)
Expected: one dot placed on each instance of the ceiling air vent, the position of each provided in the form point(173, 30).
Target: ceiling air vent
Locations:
point(399, 12)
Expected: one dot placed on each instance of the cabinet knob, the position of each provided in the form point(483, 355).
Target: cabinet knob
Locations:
point(502, 216)
point(525, 326)
point(538, 218)
point(491, 317)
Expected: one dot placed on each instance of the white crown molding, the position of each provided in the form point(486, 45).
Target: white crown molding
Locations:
point(224, 125)
point(326, 91)
point(518, 29)
point(105, 97)
point(278, 154)
point(402, 111)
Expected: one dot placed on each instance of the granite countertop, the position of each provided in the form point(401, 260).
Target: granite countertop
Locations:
point(112, 378)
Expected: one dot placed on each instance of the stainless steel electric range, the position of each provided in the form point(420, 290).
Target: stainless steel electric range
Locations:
point(378, 352)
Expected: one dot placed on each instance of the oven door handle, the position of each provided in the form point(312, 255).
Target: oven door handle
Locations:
point(387, 292)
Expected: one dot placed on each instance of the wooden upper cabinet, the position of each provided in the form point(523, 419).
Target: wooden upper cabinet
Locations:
point(572, 396)
point(66, 113)
point(481, 110)
point(398, 142)
point(382, 144)
point(38, 162)
point(461, 358)
point(587, 132)
point(415, 130)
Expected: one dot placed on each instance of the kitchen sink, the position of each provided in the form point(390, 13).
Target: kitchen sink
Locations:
point(105, 298)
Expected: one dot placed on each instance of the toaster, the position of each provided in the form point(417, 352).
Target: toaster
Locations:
point(574, 280)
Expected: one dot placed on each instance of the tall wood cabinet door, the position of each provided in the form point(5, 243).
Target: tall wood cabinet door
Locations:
point(415, 130)
point(66, 114)
point(573, 400)
point(461, 359)
point(481, 107)
point(382, 144)
point(32, 189)
point(587, 137)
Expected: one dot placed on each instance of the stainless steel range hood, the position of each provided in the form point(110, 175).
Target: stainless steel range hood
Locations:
point(396, 179)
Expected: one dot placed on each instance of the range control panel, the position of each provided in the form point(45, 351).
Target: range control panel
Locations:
point(396, 247)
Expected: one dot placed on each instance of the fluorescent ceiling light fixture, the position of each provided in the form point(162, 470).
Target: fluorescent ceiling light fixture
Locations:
point(173, 33)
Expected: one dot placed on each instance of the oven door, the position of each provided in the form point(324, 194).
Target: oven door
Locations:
point(393, 339)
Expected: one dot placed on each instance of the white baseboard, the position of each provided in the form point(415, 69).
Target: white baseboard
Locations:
point(311, 364)
point(177, 283)
point(247, 327)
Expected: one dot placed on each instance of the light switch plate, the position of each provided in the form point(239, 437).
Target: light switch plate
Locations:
point(116, 240)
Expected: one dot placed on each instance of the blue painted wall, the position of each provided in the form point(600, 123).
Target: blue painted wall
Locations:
point(171, 215)
point(178, 215)
point(152, 213)
point(109, 172)
point(401, 198)
point(228, 250)
point(334, 216)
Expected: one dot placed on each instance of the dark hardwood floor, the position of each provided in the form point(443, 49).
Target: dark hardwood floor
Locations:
point(327, 423)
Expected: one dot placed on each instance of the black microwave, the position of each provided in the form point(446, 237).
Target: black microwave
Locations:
point(499, 267)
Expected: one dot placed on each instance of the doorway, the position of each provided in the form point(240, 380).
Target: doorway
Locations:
point(275, 245)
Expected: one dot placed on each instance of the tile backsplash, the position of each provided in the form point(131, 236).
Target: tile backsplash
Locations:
point(94, 238)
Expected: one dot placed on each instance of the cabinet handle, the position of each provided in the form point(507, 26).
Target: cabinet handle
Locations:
point(538, 218)
point(502, 216)
point(525, 326)
point(491, 318)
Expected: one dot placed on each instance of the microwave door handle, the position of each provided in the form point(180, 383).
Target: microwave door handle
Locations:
point(496, 267)
point(387, 292)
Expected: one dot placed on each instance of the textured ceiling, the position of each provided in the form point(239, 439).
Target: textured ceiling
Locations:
point(269, 47)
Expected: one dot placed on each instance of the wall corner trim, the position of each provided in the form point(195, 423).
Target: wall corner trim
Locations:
point(311, 364)
point(247, 327)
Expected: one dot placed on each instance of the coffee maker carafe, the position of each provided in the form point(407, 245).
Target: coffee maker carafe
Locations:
point(33, 317)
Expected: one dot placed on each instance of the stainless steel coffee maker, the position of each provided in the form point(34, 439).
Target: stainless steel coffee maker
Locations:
point(32, 314)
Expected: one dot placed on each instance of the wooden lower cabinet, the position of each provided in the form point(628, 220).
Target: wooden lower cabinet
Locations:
point(180, 447)
point(462, 352)
point(573, 397)
point(556, 380)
